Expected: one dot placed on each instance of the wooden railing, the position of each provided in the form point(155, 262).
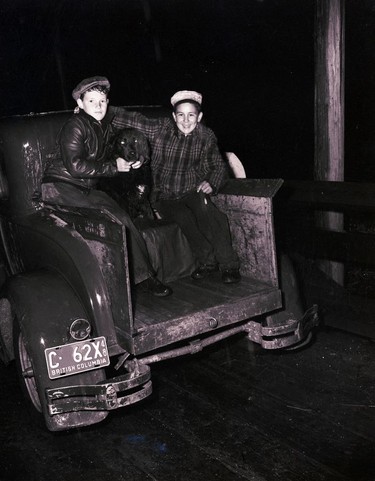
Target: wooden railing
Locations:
point(295, 218)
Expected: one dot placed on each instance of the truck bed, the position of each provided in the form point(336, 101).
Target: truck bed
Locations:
point(198, 307)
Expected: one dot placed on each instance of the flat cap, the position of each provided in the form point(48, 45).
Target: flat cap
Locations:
point(89, 83)
point(186, 95)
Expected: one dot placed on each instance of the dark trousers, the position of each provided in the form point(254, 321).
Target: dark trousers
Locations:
point(205, 227)
point(67, 194)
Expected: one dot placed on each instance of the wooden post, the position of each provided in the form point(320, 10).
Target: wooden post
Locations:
point(329, 110)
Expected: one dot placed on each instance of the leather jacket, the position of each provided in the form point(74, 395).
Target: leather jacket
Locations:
point(81, 154)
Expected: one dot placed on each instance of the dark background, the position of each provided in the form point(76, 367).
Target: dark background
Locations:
point(253, 61)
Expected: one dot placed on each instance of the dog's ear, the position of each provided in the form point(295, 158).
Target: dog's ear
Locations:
point(117, 149)
point(143, 145)
point(114, 146)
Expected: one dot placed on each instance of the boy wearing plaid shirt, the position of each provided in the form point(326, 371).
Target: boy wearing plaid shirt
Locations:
point(187, 168)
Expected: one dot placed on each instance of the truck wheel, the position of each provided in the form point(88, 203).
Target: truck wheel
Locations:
point(25, 368)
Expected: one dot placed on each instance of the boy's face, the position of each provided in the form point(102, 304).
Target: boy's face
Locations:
point(187, 117)
point(94, 103)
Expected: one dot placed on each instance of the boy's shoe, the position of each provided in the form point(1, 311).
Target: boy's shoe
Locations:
point(203, 271)
point(230, 276)
point(155, 287)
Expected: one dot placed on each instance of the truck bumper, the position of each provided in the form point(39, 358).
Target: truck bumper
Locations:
point(284, 332)
point(103, 396)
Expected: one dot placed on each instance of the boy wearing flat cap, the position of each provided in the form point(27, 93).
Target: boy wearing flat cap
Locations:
point(81, 159)
point(187, 168)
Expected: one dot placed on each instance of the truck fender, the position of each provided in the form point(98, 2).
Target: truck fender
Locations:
point(44, 305)
point(293, 305)
point(291, 326)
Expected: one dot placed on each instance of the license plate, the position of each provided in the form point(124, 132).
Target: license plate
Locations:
point(77, 357)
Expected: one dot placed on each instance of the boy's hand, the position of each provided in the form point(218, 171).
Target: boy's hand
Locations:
point(137, 164)
point(125, 166)
point(205, 187)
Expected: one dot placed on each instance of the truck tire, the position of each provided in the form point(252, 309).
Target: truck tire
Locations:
point(25, 370)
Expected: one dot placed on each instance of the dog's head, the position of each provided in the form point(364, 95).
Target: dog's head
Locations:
point(131, 145)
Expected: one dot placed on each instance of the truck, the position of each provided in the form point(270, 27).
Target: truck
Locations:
point(82, 336)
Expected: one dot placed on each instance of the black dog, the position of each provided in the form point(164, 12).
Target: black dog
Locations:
point(131, 189)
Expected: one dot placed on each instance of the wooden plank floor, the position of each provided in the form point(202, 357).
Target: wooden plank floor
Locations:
point(191, 296)
point(233, 412)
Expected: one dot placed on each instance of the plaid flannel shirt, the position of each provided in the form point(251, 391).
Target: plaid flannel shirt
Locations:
point(179, 163)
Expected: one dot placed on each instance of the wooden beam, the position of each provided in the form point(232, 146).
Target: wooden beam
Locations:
point(337, 196)
point(329, 110)
point(353, 247)
point(329, 94)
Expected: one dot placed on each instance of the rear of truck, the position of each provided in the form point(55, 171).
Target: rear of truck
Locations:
point(82, 335)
